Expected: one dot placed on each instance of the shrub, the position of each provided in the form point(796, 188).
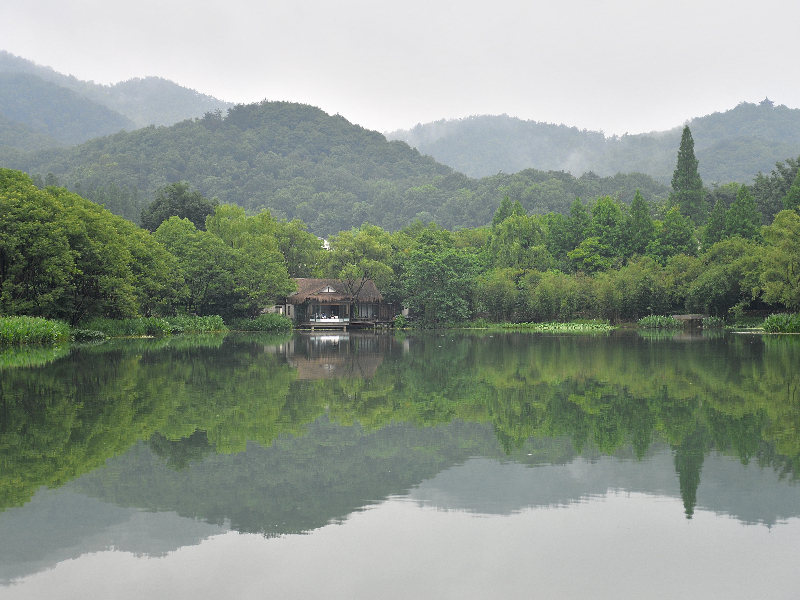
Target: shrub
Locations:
point(659, 322)
point(401, 322)
point(195, 324)
point(88, 335)
point(32, 330)
point(271, 322)
point(713, 323)
point(782, 323)
point(476, 324)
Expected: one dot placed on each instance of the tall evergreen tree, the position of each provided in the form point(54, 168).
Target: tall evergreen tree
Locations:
point(715, 228)
point(743, 218)
point(687, 187)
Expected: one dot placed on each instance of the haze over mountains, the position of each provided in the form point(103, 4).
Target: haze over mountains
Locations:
point(117, 144)
point(125, 105)
point(731, 146)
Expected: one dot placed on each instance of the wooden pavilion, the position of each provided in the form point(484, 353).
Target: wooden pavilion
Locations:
point(333, 304)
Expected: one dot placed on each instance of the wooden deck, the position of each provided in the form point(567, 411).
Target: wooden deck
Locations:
point(344, 324)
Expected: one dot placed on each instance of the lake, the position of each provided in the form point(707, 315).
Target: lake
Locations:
point(444, 465)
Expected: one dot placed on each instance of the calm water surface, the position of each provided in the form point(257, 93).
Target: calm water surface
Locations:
point(382, 466)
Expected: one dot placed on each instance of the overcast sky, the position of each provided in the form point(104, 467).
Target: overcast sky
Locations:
point(617, 66)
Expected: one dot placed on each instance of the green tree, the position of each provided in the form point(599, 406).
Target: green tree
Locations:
point(497, 294)
point(729, 278)
point(640, 226)
point(577, 223)
point(791, 201)
point(301, 250)
point(206, 265)
point(175, 200)
point(519, 242)
point(715, 227)
point(687, 187)
point(439, 285)
point(506, 209)
point(103, 283)
point(553, 296)
point(360, 255)
point(156, 278)
point(641, 287)
point(674, 235)
point(743, 218)
point(36, 261)
point(592, 255)
point(781, 276)
point(609, 225)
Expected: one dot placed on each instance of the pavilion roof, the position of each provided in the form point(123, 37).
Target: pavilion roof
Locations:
point(313, 290)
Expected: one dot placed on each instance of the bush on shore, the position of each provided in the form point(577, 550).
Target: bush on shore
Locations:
point(782, 323)
point(145, 326)
point(32, 330)
point(659, 322)
point(271, 322)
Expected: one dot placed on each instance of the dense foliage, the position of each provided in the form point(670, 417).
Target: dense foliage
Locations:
point(64, 257)
point(31, 330)
point(299, 162)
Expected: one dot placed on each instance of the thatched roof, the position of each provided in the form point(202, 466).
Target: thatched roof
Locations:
point(312, 290)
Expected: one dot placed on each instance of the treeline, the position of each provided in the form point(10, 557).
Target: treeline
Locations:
point(603, 260)
point(62, 256)
point(65, 257)
point(300, 163)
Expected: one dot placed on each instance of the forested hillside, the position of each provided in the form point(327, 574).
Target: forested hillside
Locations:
point(148, 101)
point(732, 146)
point(56, 111)
point(300, 162)
point(18, 135)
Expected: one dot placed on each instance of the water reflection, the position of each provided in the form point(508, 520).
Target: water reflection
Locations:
point(280, 436)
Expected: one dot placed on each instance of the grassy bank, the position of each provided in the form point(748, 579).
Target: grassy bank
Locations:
point(32, 330)
point(143, 326)
point(271, 322)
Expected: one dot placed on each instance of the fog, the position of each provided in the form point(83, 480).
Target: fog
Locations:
point(618, 66)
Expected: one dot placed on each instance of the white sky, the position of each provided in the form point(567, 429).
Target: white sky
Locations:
point(617, 66)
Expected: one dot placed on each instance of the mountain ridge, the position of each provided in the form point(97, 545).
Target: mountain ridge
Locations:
point(145, 101)
point(733, 145)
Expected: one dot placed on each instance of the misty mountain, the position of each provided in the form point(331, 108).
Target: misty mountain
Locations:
point(733, 145)
point(57, 112)
point(147, 101)
point(299, 162)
